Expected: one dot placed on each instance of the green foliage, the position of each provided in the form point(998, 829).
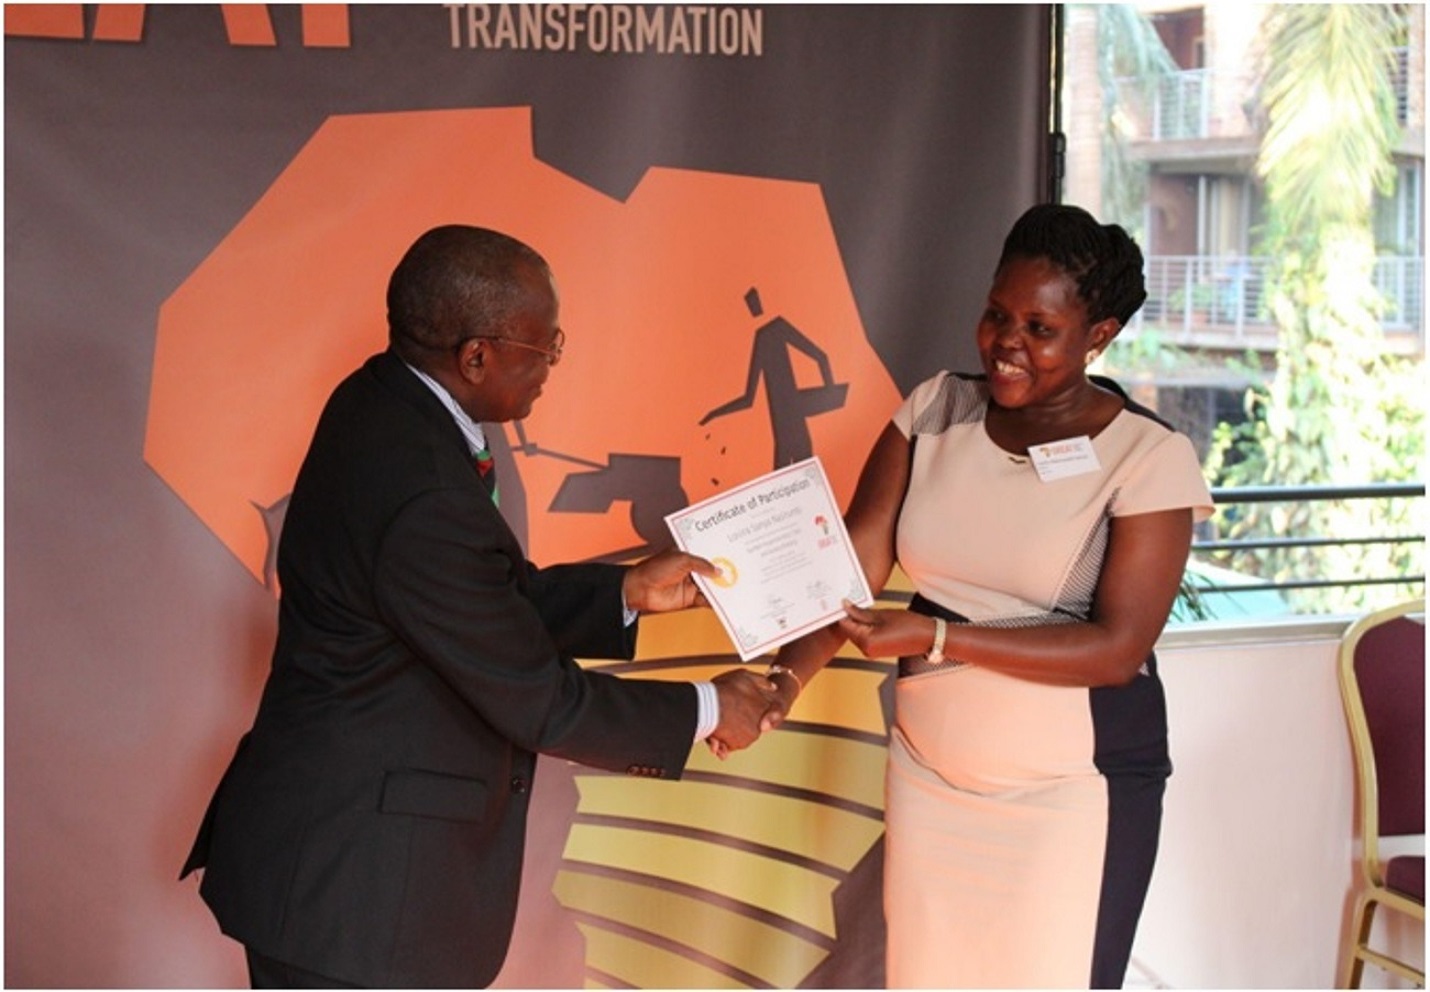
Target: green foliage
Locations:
point(1190, 606)
point(1145, 353)
point(1203, 297)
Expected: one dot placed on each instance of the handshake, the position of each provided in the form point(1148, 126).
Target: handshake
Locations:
point(750, 704)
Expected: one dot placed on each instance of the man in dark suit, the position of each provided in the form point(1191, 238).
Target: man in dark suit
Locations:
point(369, 830)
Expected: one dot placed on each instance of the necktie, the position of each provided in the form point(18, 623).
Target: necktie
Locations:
point(486, 469)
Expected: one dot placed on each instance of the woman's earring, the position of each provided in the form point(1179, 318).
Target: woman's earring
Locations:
point(1091, 357)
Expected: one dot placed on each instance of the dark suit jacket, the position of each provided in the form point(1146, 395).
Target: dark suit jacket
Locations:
point(370, 827)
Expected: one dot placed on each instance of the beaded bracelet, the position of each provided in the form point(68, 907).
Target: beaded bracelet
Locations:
point(781, 669)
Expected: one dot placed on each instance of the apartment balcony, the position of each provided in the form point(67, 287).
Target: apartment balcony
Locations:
point(1196, 114)
point(1219, 302)
point(1199, 105)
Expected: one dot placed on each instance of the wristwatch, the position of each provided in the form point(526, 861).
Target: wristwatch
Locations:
point(940, 631)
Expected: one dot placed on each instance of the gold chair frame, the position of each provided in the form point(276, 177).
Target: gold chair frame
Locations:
point(1374, 892)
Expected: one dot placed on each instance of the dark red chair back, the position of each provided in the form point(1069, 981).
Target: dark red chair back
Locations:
point(1390, 670)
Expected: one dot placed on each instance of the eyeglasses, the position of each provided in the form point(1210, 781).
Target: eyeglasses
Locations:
point(553, 354)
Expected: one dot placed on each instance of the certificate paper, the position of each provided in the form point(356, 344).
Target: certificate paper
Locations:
point(784, 557)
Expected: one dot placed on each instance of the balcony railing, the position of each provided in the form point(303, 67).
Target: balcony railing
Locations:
point(1207, 300)
point(1181, 106)
point(1225, 575)
point(1196, 104)
point(1400, 79)
point(1189, 105)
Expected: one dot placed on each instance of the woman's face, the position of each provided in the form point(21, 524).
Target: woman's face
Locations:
point(1033, 337)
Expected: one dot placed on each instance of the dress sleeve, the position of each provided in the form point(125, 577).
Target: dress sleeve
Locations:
point(917, 401)
point(1167, 477)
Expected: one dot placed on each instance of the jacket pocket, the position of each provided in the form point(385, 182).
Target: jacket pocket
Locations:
point(414, 792)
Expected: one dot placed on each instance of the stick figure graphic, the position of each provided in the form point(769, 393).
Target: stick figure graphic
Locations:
point(790, 406)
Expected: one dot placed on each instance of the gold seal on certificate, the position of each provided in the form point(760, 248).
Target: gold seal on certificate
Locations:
point(784, 557)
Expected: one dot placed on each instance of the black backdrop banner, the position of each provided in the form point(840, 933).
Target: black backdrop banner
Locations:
point(767, 222)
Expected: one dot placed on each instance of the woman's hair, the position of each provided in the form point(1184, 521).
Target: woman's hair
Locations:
point(1102, 259)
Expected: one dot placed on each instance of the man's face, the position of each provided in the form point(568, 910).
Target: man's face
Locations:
point(518, 360)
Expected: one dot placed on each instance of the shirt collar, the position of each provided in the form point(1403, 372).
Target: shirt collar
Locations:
point(471, 430)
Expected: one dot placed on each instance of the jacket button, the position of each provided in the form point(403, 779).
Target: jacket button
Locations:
point(518, 784)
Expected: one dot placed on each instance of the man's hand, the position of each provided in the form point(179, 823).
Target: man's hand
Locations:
point(662, 582)
point(746, 701)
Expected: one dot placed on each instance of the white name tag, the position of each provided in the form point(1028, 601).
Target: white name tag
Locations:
point(1061, 459)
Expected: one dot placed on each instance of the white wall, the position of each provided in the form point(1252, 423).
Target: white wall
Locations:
point(1255, 878)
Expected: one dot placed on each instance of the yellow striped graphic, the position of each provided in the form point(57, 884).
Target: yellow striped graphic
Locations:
point(727, 878)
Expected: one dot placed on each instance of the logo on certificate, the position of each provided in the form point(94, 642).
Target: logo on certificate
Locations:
point(728, 576)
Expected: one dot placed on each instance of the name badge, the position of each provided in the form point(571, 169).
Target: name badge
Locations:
point(1062, 459)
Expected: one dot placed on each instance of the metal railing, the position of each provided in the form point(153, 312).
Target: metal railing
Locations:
point(1181, 107)
point(1195, 104)
point(1225, 579)
point(1189, 105)
point(1196, 297)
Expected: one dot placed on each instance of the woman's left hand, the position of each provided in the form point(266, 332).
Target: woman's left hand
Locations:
point(887, 633)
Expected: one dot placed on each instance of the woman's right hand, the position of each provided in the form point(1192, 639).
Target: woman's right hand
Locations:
point(887, 633)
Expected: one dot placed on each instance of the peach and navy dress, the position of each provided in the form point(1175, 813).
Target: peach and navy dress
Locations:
point(1022, 819)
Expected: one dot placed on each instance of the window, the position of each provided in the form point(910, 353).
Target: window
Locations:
point(1165, 120)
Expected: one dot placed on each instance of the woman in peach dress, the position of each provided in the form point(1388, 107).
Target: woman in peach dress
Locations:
point(1044, 519)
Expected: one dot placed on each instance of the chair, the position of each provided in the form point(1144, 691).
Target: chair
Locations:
point(1382, 679)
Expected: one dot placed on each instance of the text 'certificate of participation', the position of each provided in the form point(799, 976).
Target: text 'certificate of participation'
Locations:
point(785, 560)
